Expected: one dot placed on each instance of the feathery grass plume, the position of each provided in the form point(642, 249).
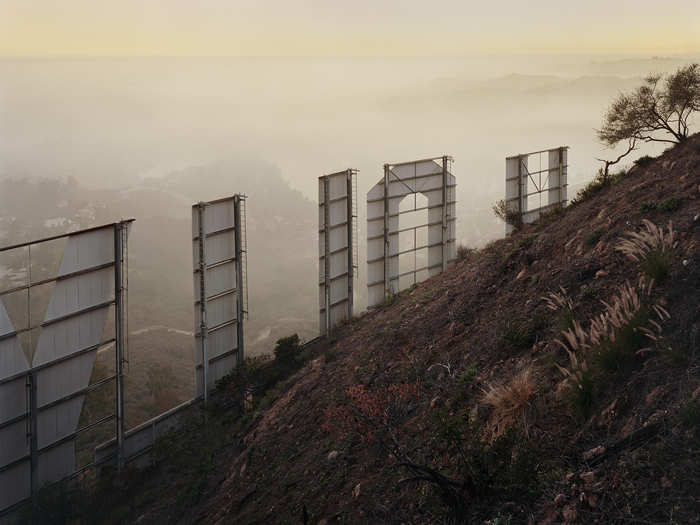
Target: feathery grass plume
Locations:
point(561, 303)
point(558, 301)
point(651, 248)
point(510, 402)
point(612, 339)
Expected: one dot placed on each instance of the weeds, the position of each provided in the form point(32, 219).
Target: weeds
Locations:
point(647, 207)
point(507, 214)
point(690, 414)
point(561, 303)
point(464, 252)
point(510, 403)
point(644, 161)
point(613, 338)
point(520, 334)
point(593, 237)
point(652, 249)
point(596, 185)
point(670, 204)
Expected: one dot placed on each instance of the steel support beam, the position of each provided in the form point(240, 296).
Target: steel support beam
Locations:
point(327, 254)
point(203, 301)
point(238, 241)
point(351, 245)
point(119, 230)
point(445, 235)
point(387, 282)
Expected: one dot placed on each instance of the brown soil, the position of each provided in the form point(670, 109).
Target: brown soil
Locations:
point(634, 460)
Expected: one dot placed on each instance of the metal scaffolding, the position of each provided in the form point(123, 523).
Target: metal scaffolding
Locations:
point(337, 200)
point(219, 247)
point(433, 179)
point(43, 386)
point(527, 181)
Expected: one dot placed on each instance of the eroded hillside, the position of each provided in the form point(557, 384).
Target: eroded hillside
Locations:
point(462, 401)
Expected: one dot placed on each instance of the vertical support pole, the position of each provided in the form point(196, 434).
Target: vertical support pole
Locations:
point(326, 254)
point(203, 335)
point(561, 174)
point(32, 397)
point(238, 240)
point(33, 436)
point(351, 243)
point(444, 214)
point(520, 187)
point(387, 280)
point(119, 338)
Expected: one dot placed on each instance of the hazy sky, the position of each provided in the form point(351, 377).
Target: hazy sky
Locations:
point(348, 27)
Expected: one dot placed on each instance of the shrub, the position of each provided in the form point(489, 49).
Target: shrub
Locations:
point(652, 249)
point(647, 207)
point(590, 189)
point(690, 414)
point(593, 237)
point(464, 252)
point(644, 161)
point(613, 338)
point(521, 334)
point(599, 182)
point(561, 303)
point(507, 214)
point(670, 204)
point(510, 402)
point(287, 348)
point(616, 352)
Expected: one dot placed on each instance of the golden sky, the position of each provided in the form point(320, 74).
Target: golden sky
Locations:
point(346, 28)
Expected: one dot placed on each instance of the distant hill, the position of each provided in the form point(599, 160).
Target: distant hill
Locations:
point(282, 265)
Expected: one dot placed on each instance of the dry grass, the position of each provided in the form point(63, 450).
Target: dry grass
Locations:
point(618, 313)
point(651, 248)
point(612, 340)
point(638, 244)
point(510, 402)
point(559, 300)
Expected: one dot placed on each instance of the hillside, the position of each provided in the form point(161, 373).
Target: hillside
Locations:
point(452, 403)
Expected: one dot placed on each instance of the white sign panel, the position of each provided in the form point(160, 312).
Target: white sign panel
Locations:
point(528, 182)
point(336, 250)
point(69, 336)
point(433, 236)
point(218, 318)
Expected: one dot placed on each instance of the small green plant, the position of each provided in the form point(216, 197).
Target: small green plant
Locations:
point(690, 414)
point(593, 237)
point(647, 207)
point(656, 265)
point(582, 396)
point(286, 348)
point(507, 214)
point(525, 242)
point(521, 334)
point(465, 380)
point(390, 297)
point(600, 182)
point(464, 252)
point(501, 519)
point(670, 204)
point(561, 303)
point(615, 353)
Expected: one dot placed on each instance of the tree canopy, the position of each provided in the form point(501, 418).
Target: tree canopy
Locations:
point(657, 111)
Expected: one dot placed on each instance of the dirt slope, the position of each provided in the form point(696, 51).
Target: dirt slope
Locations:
point(404, 388)
point(485, 319)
